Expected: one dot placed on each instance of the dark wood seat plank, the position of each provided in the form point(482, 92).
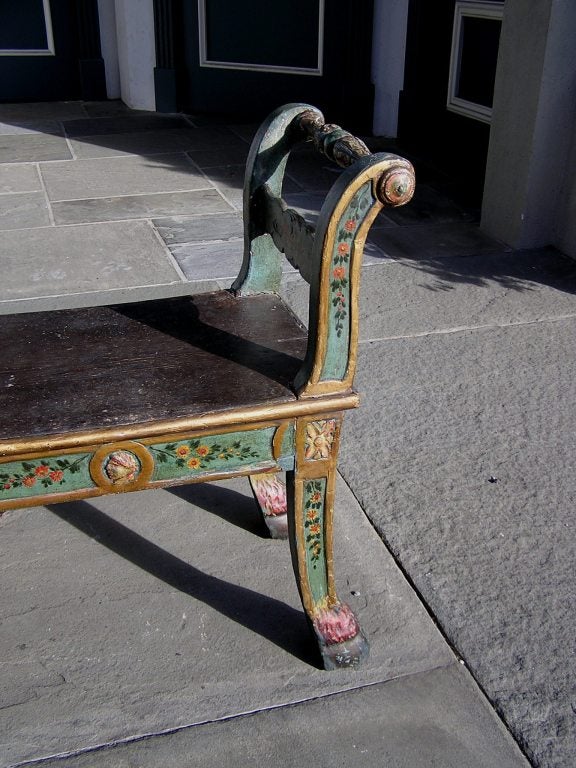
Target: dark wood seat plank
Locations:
point(83, 369)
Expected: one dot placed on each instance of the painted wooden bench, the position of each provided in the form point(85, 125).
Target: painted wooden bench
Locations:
point(135, 396)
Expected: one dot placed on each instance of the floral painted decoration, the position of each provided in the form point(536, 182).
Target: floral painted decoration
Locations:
point(43, 473)
point(195, 455)
point(319, 439)
point(314, 502)
point(341, 260)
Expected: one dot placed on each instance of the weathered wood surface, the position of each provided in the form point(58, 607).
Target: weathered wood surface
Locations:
point(83, 369)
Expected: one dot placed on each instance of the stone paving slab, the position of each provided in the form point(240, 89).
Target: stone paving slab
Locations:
point(124, 123)
point(111, 177)
point(21, 128)
point(176, 230)
point(42, 110)
point(152, 142)
point(428, 296)
point(95, 261)
point(207, 201)
point(24, 210)
point(469, 476)
point(428, 205)
point(433, 241)
point(431, 720)
point(133, 614)
point(33, 148)
point(19, 178)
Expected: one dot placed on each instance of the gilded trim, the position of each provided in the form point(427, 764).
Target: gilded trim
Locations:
point(102, 478)
point(155, 431)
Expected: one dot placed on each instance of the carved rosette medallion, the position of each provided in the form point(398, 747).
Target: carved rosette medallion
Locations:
point(319, 439)
point(121, 466)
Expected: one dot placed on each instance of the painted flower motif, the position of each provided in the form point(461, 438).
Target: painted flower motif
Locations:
point(46, 473)
point(339, 273)
point(193, 463)
point(315, 529)
point(336, 624)
point(311, 514)
point(343, 249)
point(350, 225)
point(202, 450)
point(182, 450)
point(319, 439)
point(271, 494)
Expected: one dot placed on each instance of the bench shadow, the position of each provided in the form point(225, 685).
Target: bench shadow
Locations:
point(233, 507)
point(180, 319)
point(272, 619)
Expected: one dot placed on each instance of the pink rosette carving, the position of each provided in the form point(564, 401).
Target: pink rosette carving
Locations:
point(337, 624)
point(271, 495)
point(122, 466)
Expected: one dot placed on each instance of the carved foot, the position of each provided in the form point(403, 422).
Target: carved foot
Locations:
point(340, 639)
point(270, 493)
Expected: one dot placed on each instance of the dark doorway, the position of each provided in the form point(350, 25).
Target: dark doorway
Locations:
point(445, 107)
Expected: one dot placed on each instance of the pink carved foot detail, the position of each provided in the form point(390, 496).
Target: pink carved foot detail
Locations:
point(270, 493)
point(341, 641)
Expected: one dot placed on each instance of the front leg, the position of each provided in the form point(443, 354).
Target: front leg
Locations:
point(310, 496)
point(269, 490)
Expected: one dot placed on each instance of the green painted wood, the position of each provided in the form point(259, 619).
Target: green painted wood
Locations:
point(314, 497)
point(262, 265)
point(57, 474)
point(341, 276)
point(214, 454)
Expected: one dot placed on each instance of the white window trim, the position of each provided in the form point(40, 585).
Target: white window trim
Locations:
point(205, 62)
point(466, 8)
point(48, 51)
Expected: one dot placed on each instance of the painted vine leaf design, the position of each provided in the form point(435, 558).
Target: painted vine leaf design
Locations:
point(340, 263)
point(197, 455)
point(44, 472)
point(312, 523)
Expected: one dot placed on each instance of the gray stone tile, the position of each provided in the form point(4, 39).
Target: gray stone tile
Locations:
point(110, 108)
point(19, 178)
point(25, 148)
point(420, 297)
point(428, 206)
point(128, 617)
point(152, 142)
point(312, 171)
point(139, 206)
point(493, 559)
point(210, 261)
point(123, 123)
point(434, 719)
point(26, 209)
point(50, 127)
point(111, 177)
point(194, 229)
point(235, 154)
point(60, 261)
point(434, 240)
point(42, 110)
point(229, 179)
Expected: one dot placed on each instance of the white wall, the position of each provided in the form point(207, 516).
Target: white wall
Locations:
point(388, 53)
point(136, 52)
point(530, 188)
point(107, 16)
